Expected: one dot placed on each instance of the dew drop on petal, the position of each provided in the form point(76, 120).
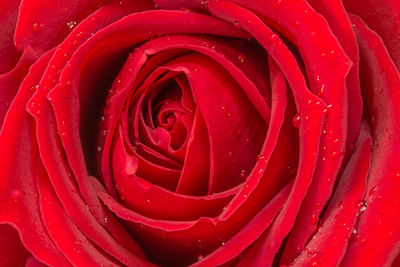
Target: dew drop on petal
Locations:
point(16, 194)
point(296, 120)
point(362, 206)
point(71, 24)
point(36, 26)
point(124, 2)
point(372, 191)
point(273, 37)
point(314, 219)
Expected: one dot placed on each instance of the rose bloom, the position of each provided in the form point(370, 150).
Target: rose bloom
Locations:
point(200, 133)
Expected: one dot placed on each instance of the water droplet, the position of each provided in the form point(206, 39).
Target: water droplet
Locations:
point(241, 58)
point(99, 148)
point(79, 34)
point(278, 2)
point(261, 157)
point(314, 263)
point(242, 173)
point(314, 219)
point(296, 120)
point(297, 23)
point(105, 219)
point(355, 237)
point(239, 132)
point(372, 191)
point(71, 24)
point(321, 91)
point(273, 37)
point(340, 205)
point(16, 194)
point(36, 27)
point(68, 83)
point(230, 154)
point(105, 132)
point(362, 206)
point(236, 24)
point(124, 2)
point(200, 257)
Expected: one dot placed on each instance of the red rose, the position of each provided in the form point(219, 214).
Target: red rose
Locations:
point(202, 133)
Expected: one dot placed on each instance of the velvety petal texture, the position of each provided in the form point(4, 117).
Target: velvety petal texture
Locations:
point(199, 133)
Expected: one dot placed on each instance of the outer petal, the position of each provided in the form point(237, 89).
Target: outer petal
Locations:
point(19, 157)
point(379, 225)
point(44, 32)
point(383, 16)
point(12, 251)
point(8, 19)
point(328, 245)
point(10, 81)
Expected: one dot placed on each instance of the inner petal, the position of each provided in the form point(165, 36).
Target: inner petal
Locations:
point(236, 131)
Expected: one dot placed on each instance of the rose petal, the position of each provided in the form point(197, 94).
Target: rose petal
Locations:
point(33, 262)
point(329, 243)
point(65, 234)
point(9, 56)
point(240, 241)
point(18, 184)
point(383, 17)
point(12, 251)
point(378, 226)
point(10, 81)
